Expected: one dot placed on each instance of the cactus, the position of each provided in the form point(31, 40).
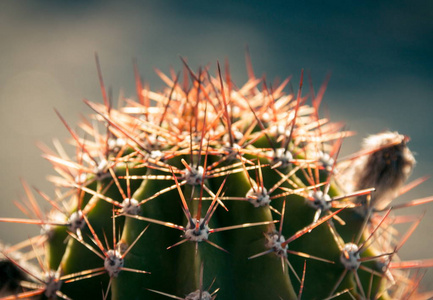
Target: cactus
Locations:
point(208, 190)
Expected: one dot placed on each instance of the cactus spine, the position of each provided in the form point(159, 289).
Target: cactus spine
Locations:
point(209, 190)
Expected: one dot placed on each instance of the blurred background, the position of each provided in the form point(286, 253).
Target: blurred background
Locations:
point(380, 54)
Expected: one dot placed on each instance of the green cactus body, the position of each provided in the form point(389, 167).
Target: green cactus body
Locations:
point(217, 191)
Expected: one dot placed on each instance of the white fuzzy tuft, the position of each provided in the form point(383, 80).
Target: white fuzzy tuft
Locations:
point(258, 196)
point(350, 256)
point(197, 235)
point(113, 263)
point(196, 295)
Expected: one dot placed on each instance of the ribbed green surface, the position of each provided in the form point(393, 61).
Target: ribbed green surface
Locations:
point(236, 135)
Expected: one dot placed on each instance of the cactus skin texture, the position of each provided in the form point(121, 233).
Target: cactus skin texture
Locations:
point(208, 190)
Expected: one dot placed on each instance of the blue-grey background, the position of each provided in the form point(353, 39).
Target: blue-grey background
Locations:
point(380, 54)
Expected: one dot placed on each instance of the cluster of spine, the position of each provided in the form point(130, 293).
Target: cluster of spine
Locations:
point(208, 190)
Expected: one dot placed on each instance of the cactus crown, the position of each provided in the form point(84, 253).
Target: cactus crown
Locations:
point(206, 184)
